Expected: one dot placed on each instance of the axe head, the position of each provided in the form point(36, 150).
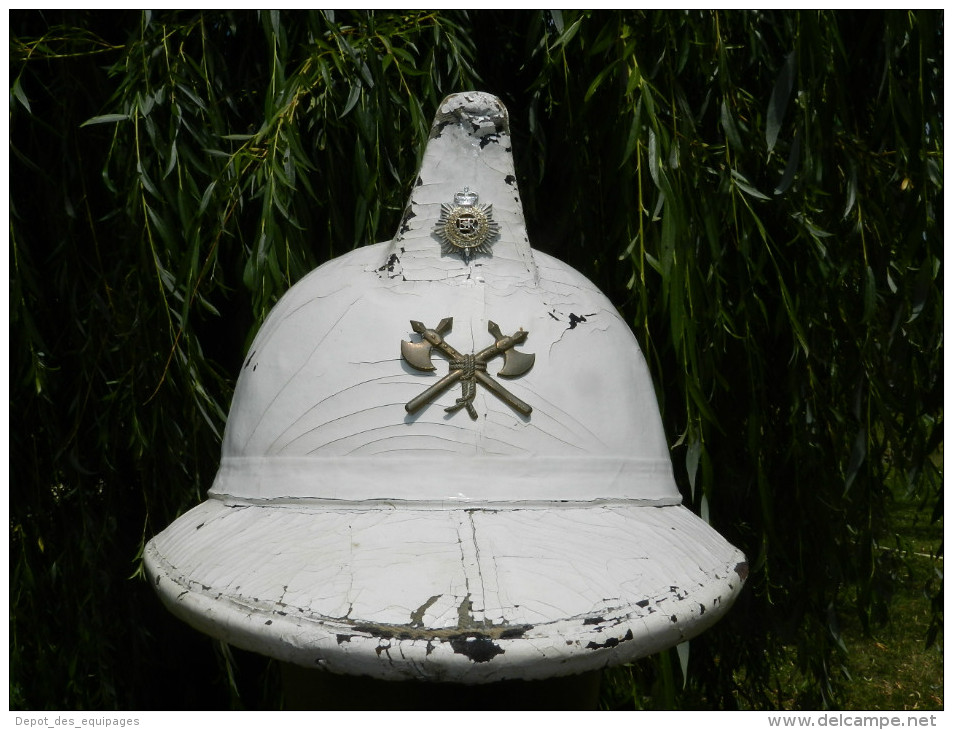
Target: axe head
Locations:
point(417, 354)
point(516, 363)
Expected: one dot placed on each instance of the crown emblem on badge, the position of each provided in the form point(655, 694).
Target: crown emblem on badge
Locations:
point(466, 198)
point(466, 226)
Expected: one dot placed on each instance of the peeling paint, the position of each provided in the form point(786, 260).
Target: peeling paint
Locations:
point(464, 613)
point(411, 633)
point(490, 138)
point(678, 593)
point(391, 263)
point(575, 319)
point(476, 648)
point(417, 617)
point(439, 126)
point(611, 642)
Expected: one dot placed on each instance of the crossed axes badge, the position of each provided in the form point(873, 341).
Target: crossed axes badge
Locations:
point(469, 369)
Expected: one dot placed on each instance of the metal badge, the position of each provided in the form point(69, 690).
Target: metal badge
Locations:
point(466, 226)
point(469, 369)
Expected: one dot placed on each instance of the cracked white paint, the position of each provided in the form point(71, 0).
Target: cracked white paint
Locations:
point(344, 533)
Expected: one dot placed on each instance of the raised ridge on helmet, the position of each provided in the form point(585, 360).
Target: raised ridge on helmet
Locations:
point(469, 148)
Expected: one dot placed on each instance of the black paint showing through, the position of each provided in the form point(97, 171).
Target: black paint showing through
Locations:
point(610, 643)
point(475, 648)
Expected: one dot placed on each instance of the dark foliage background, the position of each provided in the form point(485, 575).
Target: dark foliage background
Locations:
point(760, 193)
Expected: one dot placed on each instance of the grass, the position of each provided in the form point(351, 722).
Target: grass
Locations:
point(891, 667)
point(888, 663)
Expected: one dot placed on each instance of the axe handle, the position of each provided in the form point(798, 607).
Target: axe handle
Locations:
point(496, 349)
point(503, 394)
point(449, 350)
point(433, 391)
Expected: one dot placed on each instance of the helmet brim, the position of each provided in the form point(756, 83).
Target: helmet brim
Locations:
point(467, 595)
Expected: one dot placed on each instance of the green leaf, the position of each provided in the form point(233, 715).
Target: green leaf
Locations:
point(857, 456)
point(683, 652)
point(206, 198)
point(790, 169)
point(352, 98)
point(729, 127)
point(569, 34)
point(597, 81)
point(851, 192)
point(20, 96)
point(812, 229)
point(173, 159)
point(692, 455)
point(744, 184)
point(793, 318)
point(653, 158)
point(870, 295)
point(778, 103)
point(193, 97)
point(146, 181)
point(633, 138)
point(702, 403)
point(105, 119)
